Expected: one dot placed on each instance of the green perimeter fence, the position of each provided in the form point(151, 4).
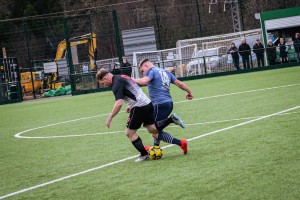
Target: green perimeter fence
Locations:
point(77, 45)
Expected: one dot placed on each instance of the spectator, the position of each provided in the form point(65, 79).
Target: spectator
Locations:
point(126, 67)
point(283, 48)
point(297, 46)
point(271, 52)
point(244, 51)
point(259, 51)
point(125, 62)
point(235, 56)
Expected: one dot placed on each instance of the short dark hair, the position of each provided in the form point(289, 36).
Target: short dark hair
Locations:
point(101, 73)
point(143, 61)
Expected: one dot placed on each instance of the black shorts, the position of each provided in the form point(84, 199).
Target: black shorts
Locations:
point(140, 115)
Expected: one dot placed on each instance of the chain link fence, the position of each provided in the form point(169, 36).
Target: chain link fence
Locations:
point(57, 51)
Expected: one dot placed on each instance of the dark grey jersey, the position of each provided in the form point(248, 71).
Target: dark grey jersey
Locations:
point(125, 88)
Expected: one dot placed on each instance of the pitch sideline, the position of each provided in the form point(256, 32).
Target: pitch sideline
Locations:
point(242, 92)
point(128, 158)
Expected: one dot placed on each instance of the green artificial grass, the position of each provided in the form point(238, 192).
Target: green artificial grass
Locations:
point(259, 160)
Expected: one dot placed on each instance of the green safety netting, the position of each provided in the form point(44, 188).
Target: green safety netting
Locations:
point(58, 92)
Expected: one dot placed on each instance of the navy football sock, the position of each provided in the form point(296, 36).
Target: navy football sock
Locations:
point(156, 142)
point(168, 138)
point(160, 125)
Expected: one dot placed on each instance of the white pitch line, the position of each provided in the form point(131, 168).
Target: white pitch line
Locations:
point(18, 135)
point(121, 131)
point(235, 93)
point(244, 123)
point(67, 136)
point(125, 159)
point(230, 120)
point(241, 124)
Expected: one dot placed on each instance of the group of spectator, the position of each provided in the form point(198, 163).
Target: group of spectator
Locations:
point(244, 51)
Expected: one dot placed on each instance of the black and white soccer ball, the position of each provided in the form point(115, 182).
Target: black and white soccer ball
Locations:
point(155, 153)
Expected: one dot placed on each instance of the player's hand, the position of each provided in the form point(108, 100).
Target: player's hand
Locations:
point(189, 96)
point(128, 110)
point(108, 121)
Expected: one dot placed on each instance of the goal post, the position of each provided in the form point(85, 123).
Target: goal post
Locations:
point(173, 58)
point(199, 41)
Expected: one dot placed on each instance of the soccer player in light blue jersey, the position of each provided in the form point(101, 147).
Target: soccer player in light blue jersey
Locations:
point(158, 81)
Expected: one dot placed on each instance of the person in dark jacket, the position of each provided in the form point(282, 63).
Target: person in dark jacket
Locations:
point(259, 51)
point(283, 48)
point(235, 56)
point(271, 52)
point(244, 51)
point(297, 46)
point(126, 67)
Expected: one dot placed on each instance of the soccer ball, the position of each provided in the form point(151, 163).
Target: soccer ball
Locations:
point(155, 153)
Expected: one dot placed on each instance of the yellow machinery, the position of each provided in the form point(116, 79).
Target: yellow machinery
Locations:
point(26, 82)
point(87, 38)
point(91, 38)
point(62, 46)
point(51, 81)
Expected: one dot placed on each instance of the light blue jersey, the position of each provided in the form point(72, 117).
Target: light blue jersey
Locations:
point(159, 85)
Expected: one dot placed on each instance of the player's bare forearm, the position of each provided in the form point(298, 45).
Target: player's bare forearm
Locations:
point(116, 109)
point(184, 87)
point(142, 81)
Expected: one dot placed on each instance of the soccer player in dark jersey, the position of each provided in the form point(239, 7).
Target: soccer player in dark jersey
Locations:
point(138, 104)
point(158, 81)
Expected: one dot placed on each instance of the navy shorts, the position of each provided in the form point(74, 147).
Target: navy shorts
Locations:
point(162, 111)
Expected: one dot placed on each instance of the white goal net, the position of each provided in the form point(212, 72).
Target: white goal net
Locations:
point(230, 36)
point(173, 59)
point(250, 39)
point(107, 63)
point(212, 56)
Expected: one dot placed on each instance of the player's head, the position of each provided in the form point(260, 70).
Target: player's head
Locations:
point(104, 77)
point(145, 65)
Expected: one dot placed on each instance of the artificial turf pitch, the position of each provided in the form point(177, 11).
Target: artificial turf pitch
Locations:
point(240, 145)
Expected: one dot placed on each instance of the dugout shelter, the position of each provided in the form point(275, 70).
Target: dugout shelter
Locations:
point(280, 23)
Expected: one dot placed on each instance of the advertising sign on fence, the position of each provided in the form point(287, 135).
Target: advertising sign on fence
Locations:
point(50, 67)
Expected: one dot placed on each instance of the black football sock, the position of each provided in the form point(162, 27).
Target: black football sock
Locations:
point(138, 144)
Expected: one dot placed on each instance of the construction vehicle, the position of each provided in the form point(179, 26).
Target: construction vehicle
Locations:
point(26, 82)
point(87, 38)
point(91, 38)
point(50, 80)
